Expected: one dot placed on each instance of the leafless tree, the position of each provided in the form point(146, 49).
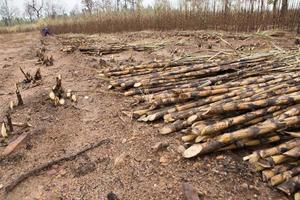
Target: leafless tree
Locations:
point(7, 12)
point(104, 5)
point(34, 8)
point(133, 4)
point(262, 5)
point(162, 4)
point(284, 6)
point(29, 12)
point(125, 6)
point(52, 9)
point(118, 4)
point(226, 6)
point(275, 2)
point(75, 10)
point(89, 5)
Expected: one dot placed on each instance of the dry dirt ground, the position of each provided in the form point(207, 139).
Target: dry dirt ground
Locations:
point(126, 166)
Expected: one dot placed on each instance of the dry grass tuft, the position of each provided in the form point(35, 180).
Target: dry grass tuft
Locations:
point(19, 28)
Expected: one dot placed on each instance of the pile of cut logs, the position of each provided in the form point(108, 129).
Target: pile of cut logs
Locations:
point(96, 48)
point(113, 49)
point(225, 104)
point(280, 165)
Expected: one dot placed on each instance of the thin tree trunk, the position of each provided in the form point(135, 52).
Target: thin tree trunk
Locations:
point(275, 6)
point(262, 5)
point(284, 7)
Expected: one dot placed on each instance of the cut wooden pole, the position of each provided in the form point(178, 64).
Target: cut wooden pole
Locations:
point(267, 174)
point(224, 124)
point(38, 75)
point(252, 142)
point(227, 138)
point(291, 186)
point(297, 196)
point(9, 122)
point(273, 150)
point(294, 152)
point(282, 100)
point(19, 97)
point(273, 160)
point(284, 176)
point(4, 131)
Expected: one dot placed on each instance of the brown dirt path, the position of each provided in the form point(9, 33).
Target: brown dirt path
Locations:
point(128, 166)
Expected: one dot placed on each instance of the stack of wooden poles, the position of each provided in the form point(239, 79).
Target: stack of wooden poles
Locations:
point(280, 165)
point(225, 104)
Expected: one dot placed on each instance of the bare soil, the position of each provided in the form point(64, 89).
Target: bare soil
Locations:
point(127, 166)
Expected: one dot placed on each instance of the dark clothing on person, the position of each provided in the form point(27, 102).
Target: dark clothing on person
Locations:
point(45, 32)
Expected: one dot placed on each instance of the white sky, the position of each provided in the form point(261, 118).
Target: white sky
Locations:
point(67, 4)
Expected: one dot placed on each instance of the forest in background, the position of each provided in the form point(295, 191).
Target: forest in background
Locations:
point(94, 16)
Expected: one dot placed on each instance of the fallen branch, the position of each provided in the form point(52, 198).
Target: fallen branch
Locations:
point(13, 145)
point(48, 164)
point(22, 135)
point(230, 45)
point(21, 124)
point(8, 93)
point(121, 118)
point(220, 52)
point(28, 77)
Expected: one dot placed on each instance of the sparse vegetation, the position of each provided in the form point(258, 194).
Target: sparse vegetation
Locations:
point(19, 28)
point(189, 15)
point(109, 16)
point(155, 19)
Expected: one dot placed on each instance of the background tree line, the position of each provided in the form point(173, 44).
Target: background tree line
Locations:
point(236, 15)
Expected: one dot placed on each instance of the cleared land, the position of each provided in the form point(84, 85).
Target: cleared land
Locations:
point(127, 165)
